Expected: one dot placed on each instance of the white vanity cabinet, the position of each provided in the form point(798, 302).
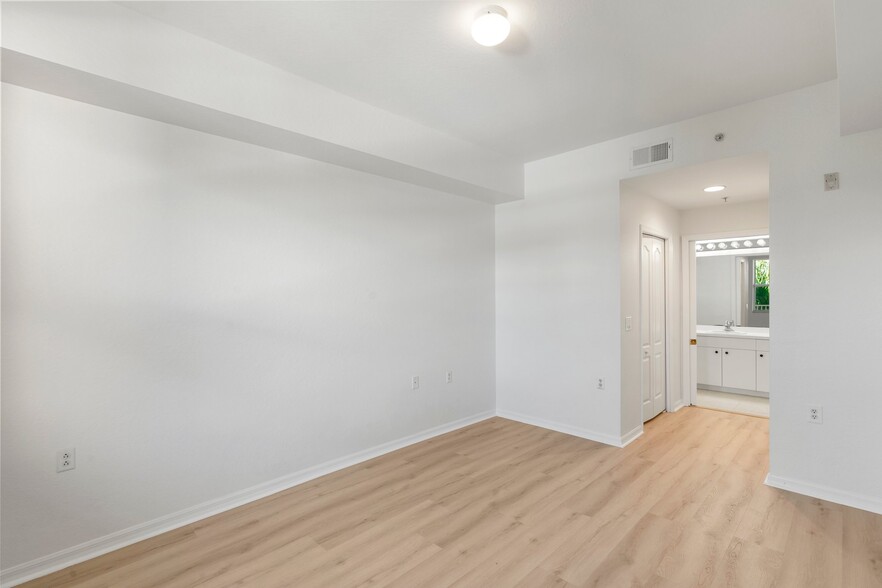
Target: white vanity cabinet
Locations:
point(733, 364)
point(739, 369)
point(710, 366)
point(762, 366)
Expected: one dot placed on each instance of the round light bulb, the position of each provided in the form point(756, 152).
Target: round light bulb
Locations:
point(491, 27)
point(711, 246)
point(761, 242)
point(715, 188)
point(722, 245)
point(699, 248)
point(735, 244)
point(748, 243)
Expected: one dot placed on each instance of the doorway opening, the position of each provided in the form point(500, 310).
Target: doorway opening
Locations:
point(659, 347)
point(732, 300)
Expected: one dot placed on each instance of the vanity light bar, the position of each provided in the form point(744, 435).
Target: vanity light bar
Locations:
point(722, 244)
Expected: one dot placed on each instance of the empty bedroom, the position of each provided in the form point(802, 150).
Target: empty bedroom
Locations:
point(440, 293)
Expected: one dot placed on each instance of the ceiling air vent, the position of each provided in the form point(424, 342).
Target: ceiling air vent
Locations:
point(652, 154)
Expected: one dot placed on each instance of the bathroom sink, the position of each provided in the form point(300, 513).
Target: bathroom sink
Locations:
point(724, 332)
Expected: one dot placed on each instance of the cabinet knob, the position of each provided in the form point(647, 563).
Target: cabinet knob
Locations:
point(727, 353)
point(761, 355)
point(716, 351)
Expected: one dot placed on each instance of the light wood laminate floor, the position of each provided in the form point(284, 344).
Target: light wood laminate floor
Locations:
point(502, 504)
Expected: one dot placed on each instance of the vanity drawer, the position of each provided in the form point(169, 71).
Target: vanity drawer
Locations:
point(762, 344)
point(727, 342)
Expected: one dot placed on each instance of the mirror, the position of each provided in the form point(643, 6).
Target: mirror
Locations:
point(732, 285)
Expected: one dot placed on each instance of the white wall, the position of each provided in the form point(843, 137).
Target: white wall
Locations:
point(640, 213)
point(197, 316)
point(557, 299)
point(725, 218)
point(559, 322)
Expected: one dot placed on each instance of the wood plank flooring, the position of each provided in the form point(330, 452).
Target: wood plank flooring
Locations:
point(503, 504)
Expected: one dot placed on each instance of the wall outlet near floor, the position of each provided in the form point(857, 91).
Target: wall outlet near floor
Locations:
point(65, 460)
point(449, 376)
point(415, 383)
point(816, 414)
point(600, 383)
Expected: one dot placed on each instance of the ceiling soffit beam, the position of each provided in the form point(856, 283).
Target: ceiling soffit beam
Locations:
point(51, 78)
point(107, 55)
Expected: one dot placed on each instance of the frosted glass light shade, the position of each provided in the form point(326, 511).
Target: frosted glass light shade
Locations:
point(491, 26)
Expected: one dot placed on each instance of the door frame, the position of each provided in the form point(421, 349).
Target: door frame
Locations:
point(689, 299)
point(668, 239)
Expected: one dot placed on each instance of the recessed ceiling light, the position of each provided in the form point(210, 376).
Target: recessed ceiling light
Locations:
point(715, 188)
point(491, 26)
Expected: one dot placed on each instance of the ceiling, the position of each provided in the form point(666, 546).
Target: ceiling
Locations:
point(746, 179)
point(573, 72)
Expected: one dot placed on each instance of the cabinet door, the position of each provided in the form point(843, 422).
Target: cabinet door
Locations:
point(739, 369)
point(762, 371)
point(710, 366)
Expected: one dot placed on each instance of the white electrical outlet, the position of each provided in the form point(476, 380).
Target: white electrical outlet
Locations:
point(600, 383)
point(415, 383)
point(831, 181)
point(449, 376)
point(816, 414)
point(65, 460)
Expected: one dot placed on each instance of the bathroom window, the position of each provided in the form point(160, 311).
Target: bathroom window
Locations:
point(761, 284)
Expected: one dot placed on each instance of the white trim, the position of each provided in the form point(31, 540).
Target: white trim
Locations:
point(119, 539)
point(632, 435)
point(868, 503)
point(568, 429)
point(679, 404)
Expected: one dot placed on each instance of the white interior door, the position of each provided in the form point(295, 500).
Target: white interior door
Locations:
point(652, 325)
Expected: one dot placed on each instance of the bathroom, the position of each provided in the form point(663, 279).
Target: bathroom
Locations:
point(732, 285)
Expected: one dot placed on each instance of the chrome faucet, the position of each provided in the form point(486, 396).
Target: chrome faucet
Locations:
point(729, 325)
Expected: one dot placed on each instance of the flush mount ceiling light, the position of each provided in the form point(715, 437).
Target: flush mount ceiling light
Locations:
point(715, 188)
point(491, 26)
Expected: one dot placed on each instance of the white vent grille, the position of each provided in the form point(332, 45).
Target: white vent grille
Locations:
point(652, 154)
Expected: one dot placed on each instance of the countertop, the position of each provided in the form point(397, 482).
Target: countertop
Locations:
point(738, 333)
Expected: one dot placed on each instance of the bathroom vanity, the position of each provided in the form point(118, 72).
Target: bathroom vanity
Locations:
point(733, 361)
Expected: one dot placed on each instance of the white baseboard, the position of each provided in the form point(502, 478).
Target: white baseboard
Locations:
point(119, 539)
point(568, 429)
point(868, 503)
point(678, 405)
point(632, 435)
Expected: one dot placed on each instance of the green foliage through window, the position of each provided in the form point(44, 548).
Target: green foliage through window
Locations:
point(761, 285)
